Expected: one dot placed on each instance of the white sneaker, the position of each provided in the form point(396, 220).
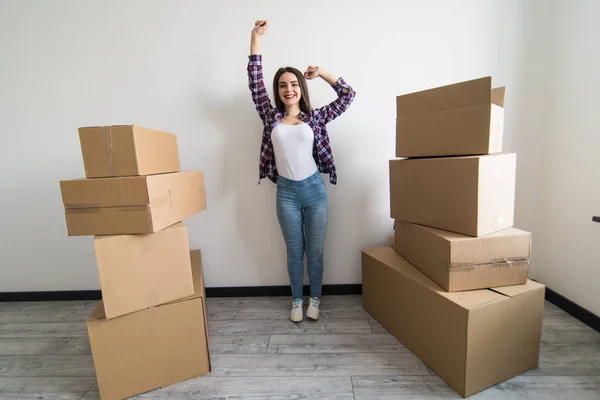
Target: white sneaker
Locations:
point(313, 308)
point(296, 313)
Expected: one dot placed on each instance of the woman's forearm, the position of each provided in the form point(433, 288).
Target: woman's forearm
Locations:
point(260, 28)
point(254, 44)
point(328, 76)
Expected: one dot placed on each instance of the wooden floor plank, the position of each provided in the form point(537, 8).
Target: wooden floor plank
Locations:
point(78, 345)
point(80, 315)
point(287, 327)
point(522, 388)
point(31, 345)
point(264, 388)
point(567, 363)
point(16, 316)
point(239, 344)
point(45, 388)
point(47, 365)
point(331, 343)
point(221, 313)
point(399, 363)
point(571, 340)
point(44, 329)
point(327, 311)
point(47, 305)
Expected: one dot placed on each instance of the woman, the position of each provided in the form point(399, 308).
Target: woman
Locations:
point(295, 150)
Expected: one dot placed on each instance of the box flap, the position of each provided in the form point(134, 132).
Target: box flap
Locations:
point(98, 312)
point(512, 291)
point(467, 299)
point(107, 126)
point(456, 237)
point(177, 225)
point(197, 273)
point(472, 298)
point(498, 96)
point(100, 238)
point(475, 92)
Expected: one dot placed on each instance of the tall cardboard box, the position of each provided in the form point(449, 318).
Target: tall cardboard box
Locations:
point(151, 348)
point(465, 118)
point(141, 271)
point(472, 195)
point(126, 150)
point(473, 340)
point(458, 262)
point(131, 205)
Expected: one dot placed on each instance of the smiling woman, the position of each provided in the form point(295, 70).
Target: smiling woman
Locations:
point(295, 149)
point(291, 86)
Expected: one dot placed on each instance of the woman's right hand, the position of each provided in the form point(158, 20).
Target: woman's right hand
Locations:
point(260, 27)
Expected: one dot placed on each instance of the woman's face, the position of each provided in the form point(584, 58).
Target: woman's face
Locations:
point(289, 89)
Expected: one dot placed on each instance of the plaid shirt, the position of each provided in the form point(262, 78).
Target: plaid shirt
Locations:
point(317, 119)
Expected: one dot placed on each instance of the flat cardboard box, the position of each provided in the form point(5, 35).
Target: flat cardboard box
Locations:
point(151, 348)
point(458, 262)
point(473, 340)
point(141, 271)
point(472, 195)
point(465, 118)
point(131, 205)
point(127, 150)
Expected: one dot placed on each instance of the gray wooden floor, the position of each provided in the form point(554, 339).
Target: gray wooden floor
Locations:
point(257, 352)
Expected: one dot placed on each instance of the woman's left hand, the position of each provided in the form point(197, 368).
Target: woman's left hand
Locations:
point(312, 72)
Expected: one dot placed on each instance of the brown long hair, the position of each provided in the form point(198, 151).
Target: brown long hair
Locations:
point(304, 97)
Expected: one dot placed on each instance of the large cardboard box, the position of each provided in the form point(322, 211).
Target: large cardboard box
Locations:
point(458, 262)
point(126, 150)
point(131, 205)
point(470, 195)
point(141, 271)
point(465, 118)
point(472, 340)
point(151, 348)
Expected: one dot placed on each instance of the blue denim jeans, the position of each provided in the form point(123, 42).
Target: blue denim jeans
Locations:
point(302, 212)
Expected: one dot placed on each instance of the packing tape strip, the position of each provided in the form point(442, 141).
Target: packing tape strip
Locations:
point(110, 150)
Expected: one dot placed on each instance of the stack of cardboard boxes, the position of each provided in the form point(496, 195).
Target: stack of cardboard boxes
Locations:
point(454, 287)
point(150, 328)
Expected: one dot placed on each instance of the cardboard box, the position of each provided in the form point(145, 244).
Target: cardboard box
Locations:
point(141, 271)
point(127, 150)
point(473, 340)
point(465, 118)
point(131, 205)
point(458, 262)
point(151, 348)
point(470, 195)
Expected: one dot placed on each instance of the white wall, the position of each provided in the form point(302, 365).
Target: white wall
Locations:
point(561, 102)
point(180, 66)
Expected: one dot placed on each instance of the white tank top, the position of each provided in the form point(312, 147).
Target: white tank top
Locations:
point(293, 147)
